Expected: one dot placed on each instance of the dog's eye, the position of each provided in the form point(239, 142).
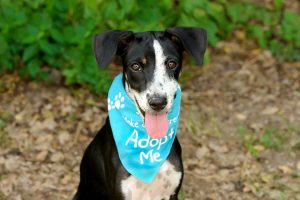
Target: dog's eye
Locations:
point(171, 64)
point(136, 67)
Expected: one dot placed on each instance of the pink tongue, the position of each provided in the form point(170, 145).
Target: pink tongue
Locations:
point(156, 125)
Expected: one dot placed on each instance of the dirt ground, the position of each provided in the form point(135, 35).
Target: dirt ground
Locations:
point(239, 130)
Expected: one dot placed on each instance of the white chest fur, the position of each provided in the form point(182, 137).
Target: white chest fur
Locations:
point(163, 186)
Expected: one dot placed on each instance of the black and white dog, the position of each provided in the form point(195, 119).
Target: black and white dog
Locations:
point(152, 63)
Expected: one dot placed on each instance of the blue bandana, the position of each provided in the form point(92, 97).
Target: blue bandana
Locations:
point(141, 155)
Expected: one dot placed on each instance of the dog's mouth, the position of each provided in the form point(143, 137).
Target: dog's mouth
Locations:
point(156, 123)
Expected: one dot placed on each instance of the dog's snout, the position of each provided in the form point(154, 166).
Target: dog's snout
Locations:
point(157, 103)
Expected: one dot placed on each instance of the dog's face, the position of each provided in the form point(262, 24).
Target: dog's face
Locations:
point(152, 62)
point(152, 65)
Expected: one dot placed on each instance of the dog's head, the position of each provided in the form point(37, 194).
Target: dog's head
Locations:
point(152, 62)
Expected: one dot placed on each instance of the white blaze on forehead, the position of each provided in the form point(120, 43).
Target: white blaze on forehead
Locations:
point(162, 84)
point(160, 73)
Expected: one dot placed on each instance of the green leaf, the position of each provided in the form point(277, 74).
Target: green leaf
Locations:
point(265, 16)
point(70, 75)
point(206, 57)
point(32, 69)
point(30, 52)
point(35, 3)
point(5, 64)
point(13, 15)
point(278, 4)
point(75, 34)
point(188, 6)
point(127, 5)
point(48, 48)
point(28, 34)
point(91, 4)
point(216, 11)
point(289, 28)
point(57, 35)
point(241, 12)
point(3, 45)
point(109, 9)
point(90, 8)
point(258, 33)
point(41, 20)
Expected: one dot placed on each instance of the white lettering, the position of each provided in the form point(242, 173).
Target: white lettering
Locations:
point(131, 123)
point(171, 133)
point(146, 142)
point(162, 142)
point(149, 154)
point(153, 140)
point(156, 156)
point(133, 138)
point(153, 157)
point(173, 120)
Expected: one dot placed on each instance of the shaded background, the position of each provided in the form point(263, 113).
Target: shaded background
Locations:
point(239, 128)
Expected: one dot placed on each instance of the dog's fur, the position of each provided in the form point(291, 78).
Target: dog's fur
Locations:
point(151, 68)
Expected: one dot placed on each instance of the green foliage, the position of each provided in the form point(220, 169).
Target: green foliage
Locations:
point(37, 35)
point(270, 138)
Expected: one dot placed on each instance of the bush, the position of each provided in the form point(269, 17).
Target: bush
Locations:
point(37, 35)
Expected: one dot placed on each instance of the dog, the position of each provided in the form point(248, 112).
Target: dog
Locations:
point(152, 63)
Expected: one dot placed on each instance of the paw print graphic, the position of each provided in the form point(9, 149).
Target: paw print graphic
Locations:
point(118, 102)
point(110, 104)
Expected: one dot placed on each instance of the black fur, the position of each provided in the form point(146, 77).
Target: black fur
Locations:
point(101, 171)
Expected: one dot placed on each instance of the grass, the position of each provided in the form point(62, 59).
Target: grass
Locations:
point(4, 138)
point(181, 195)
point(255, 141)
point(282, 197)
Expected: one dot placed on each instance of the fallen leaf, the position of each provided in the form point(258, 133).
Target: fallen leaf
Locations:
point(50, 124)
point(266, 178)
point(57, 157)
point(246, 189)
point(241, 116)
point(66, 179)
point(64, 137)
point(41, 156)
point(83, 138)
point(270, 111)
point(224, 172)
point(202, 152)
point(20, 117)
point(219, 148)
point(285, 169)
point(259, 147)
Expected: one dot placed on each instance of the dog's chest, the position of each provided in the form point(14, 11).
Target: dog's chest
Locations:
point(163, 186)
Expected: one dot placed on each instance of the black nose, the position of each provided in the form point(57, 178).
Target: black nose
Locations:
point(157, 103)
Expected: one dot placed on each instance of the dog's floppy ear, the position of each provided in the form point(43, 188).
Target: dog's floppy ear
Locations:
point(193, 40)
point(108, 44)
